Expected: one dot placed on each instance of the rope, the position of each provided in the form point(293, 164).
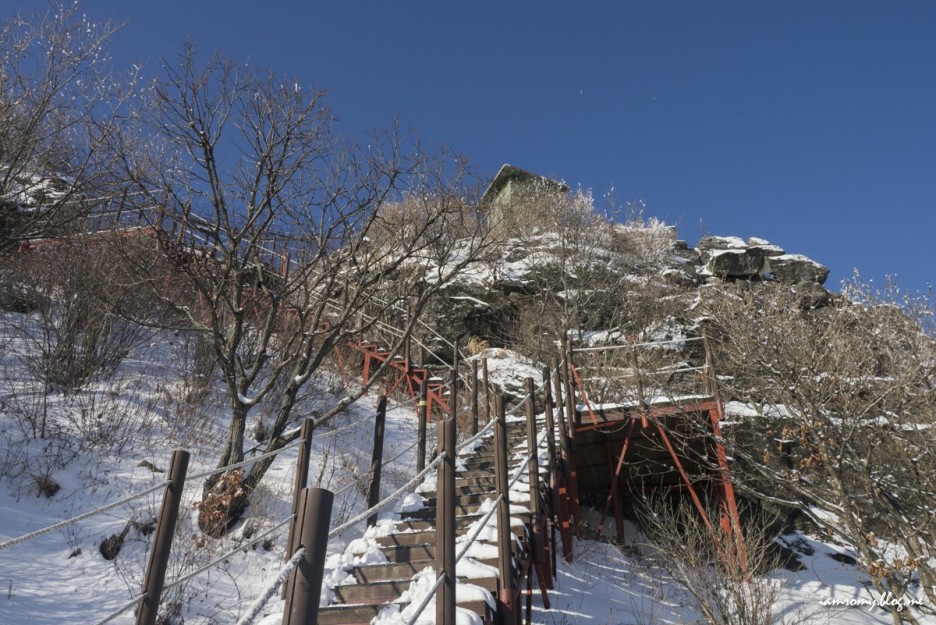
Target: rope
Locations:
point(221, 559)
point(81, 517)
point(243, 463)
point(425, 602)
point(396, 457)
point(110, 617)
point(267, 594)
point(354, 482)
point(268, 454)
point(491, 423)
point(523, 464)
point(387, 499)
point(478, 529)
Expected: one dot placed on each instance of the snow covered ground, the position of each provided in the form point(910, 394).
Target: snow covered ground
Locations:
point(96, 443)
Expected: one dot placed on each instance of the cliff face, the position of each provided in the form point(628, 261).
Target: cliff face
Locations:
point(611, 277)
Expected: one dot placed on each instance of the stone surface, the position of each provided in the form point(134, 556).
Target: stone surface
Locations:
point(797, 268)
point(736, 263)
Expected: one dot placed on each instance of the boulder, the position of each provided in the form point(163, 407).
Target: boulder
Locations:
point(796, 268)
point(736, 263)
point(682, 250)
point(721, 243)
point(766, 246)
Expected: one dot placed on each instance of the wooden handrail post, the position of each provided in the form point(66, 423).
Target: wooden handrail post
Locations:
point(300, 481)
point(373, 490)
point(487, 391)
point(474, 398)
point(552, 466)
point(422, 415)
point(536, 508)
point(155, 577)
point(304, 588)
point(505, 581)
point(445, 519)
point(564, 510)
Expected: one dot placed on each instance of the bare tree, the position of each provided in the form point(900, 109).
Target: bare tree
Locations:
point(722, 592)
point(844, 399)
point(273, 233)
point(58, 107)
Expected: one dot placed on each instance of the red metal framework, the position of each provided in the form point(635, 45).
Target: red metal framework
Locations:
point(651, 420)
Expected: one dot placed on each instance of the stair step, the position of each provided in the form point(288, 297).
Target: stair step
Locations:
point(410, 553)
point(390, 590)
point(429, 514)
point(362, 614)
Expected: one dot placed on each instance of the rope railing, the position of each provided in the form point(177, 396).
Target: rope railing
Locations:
point(425, 602)
point(478, 529)
point(334, 532)
point(490, 424)
point(221, 559)
point(243, 463)
point(257, 606)
point(269, 454)
point(133, 602)
point(519, 471)
point(81, 517)
point(354, 483)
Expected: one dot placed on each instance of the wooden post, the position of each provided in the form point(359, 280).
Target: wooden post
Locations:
point(373, 491)
point(536, 510)
point(570, 424)
point(487, 391)
point(564, 510)
point(474, 398)
point(300, 481)
point(304, 588)
point(445, 519)
point(155, 577)
point(537, 520)
point(505, 582)
point(421, 426)
point(552, 466)
point(453, 404)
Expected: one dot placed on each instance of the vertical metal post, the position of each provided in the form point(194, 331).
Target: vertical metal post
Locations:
point(304, 588)
point(421, 426)
point(300, 481)
point(373, 491)
point(505, 582)
point(474, 398)
point(162, 543)
point(445, 519)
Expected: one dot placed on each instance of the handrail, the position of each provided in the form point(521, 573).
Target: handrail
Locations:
point(257, 606)
point(387, 499)
point(81, 517)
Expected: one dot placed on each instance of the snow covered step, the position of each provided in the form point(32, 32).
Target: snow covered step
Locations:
point(390, 590)
point(429, 514)
point(362, 614)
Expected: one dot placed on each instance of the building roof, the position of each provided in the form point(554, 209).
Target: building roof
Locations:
point(509, 173)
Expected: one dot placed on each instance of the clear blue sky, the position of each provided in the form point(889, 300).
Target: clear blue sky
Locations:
point(812, 124)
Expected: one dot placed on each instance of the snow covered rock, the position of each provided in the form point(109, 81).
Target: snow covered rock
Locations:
point(736, 263)
point(797, 268)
